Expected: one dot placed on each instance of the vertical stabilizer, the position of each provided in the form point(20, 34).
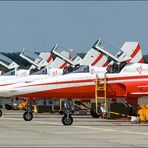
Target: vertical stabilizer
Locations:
point(95, 58)
point(132, 50)
point(59, 62)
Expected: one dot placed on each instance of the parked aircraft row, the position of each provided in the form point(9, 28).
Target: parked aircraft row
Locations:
point(70, 77)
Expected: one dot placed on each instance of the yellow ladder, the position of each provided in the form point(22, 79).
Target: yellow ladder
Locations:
point(100, 88)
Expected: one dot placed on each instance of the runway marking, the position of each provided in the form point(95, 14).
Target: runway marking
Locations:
point(13, 119)
point(97, 129)
point(16, 119)
point(42, 122)
point(112, 130)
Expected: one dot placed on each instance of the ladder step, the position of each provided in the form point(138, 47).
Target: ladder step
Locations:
point(101, 97)
point(101, 88)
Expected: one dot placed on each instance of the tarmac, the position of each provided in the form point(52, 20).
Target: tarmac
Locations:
point(46, 130)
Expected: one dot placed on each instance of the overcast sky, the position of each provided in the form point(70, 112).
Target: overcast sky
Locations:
point(38, 26)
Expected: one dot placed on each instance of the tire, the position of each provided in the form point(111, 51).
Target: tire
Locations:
point(1, 113)
point(67, 121)
point(94, 114)
point(8, 106)
point(28, 116)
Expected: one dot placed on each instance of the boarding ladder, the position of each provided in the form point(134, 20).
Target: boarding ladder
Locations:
point(100, 92)
point(101, 88)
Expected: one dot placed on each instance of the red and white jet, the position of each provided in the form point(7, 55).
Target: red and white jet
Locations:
point(130, 82)
point(81, 82)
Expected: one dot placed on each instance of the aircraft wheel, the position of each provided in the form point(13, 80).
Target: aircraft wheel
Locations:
point(8, 106)
point(67, 120)
point(28, 116)
point(94, 114)
point(1, 113)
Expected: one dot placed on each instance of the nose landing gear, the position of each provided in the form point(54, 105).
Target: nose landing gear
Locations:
point(68, 110)
point(28, 116)
point(67, 120)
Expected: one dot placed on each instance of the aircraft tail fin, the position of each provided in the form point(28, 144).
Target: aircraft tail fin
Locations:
point(95, 58)
point(132, 50)
point(59, 62)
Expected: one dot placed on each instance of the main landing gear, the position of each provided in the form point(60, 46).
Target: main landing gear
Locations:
point(93, 112)
point(28, 115)
point(68, 110)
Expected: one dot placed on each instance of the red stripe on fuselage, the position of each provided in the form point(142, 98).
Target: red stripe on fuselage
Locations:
point(87, 80)
point(62, 82)
point(64, 92)
point(113, 91)
point(127, 77)
point(6, 84)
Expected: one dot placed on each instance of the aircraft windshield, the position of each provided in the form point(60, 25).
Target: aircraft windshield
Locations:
point(82, 69)
point(67, 53)
point(31, 55)
point(5, 60)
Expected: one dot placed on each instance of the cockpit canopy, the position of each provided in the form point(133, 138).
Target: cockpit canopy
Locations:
point(37, 71)
point(76, 69)
point(66, 53)
point(31, 55)
point(82, 69)
point(7, 62)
